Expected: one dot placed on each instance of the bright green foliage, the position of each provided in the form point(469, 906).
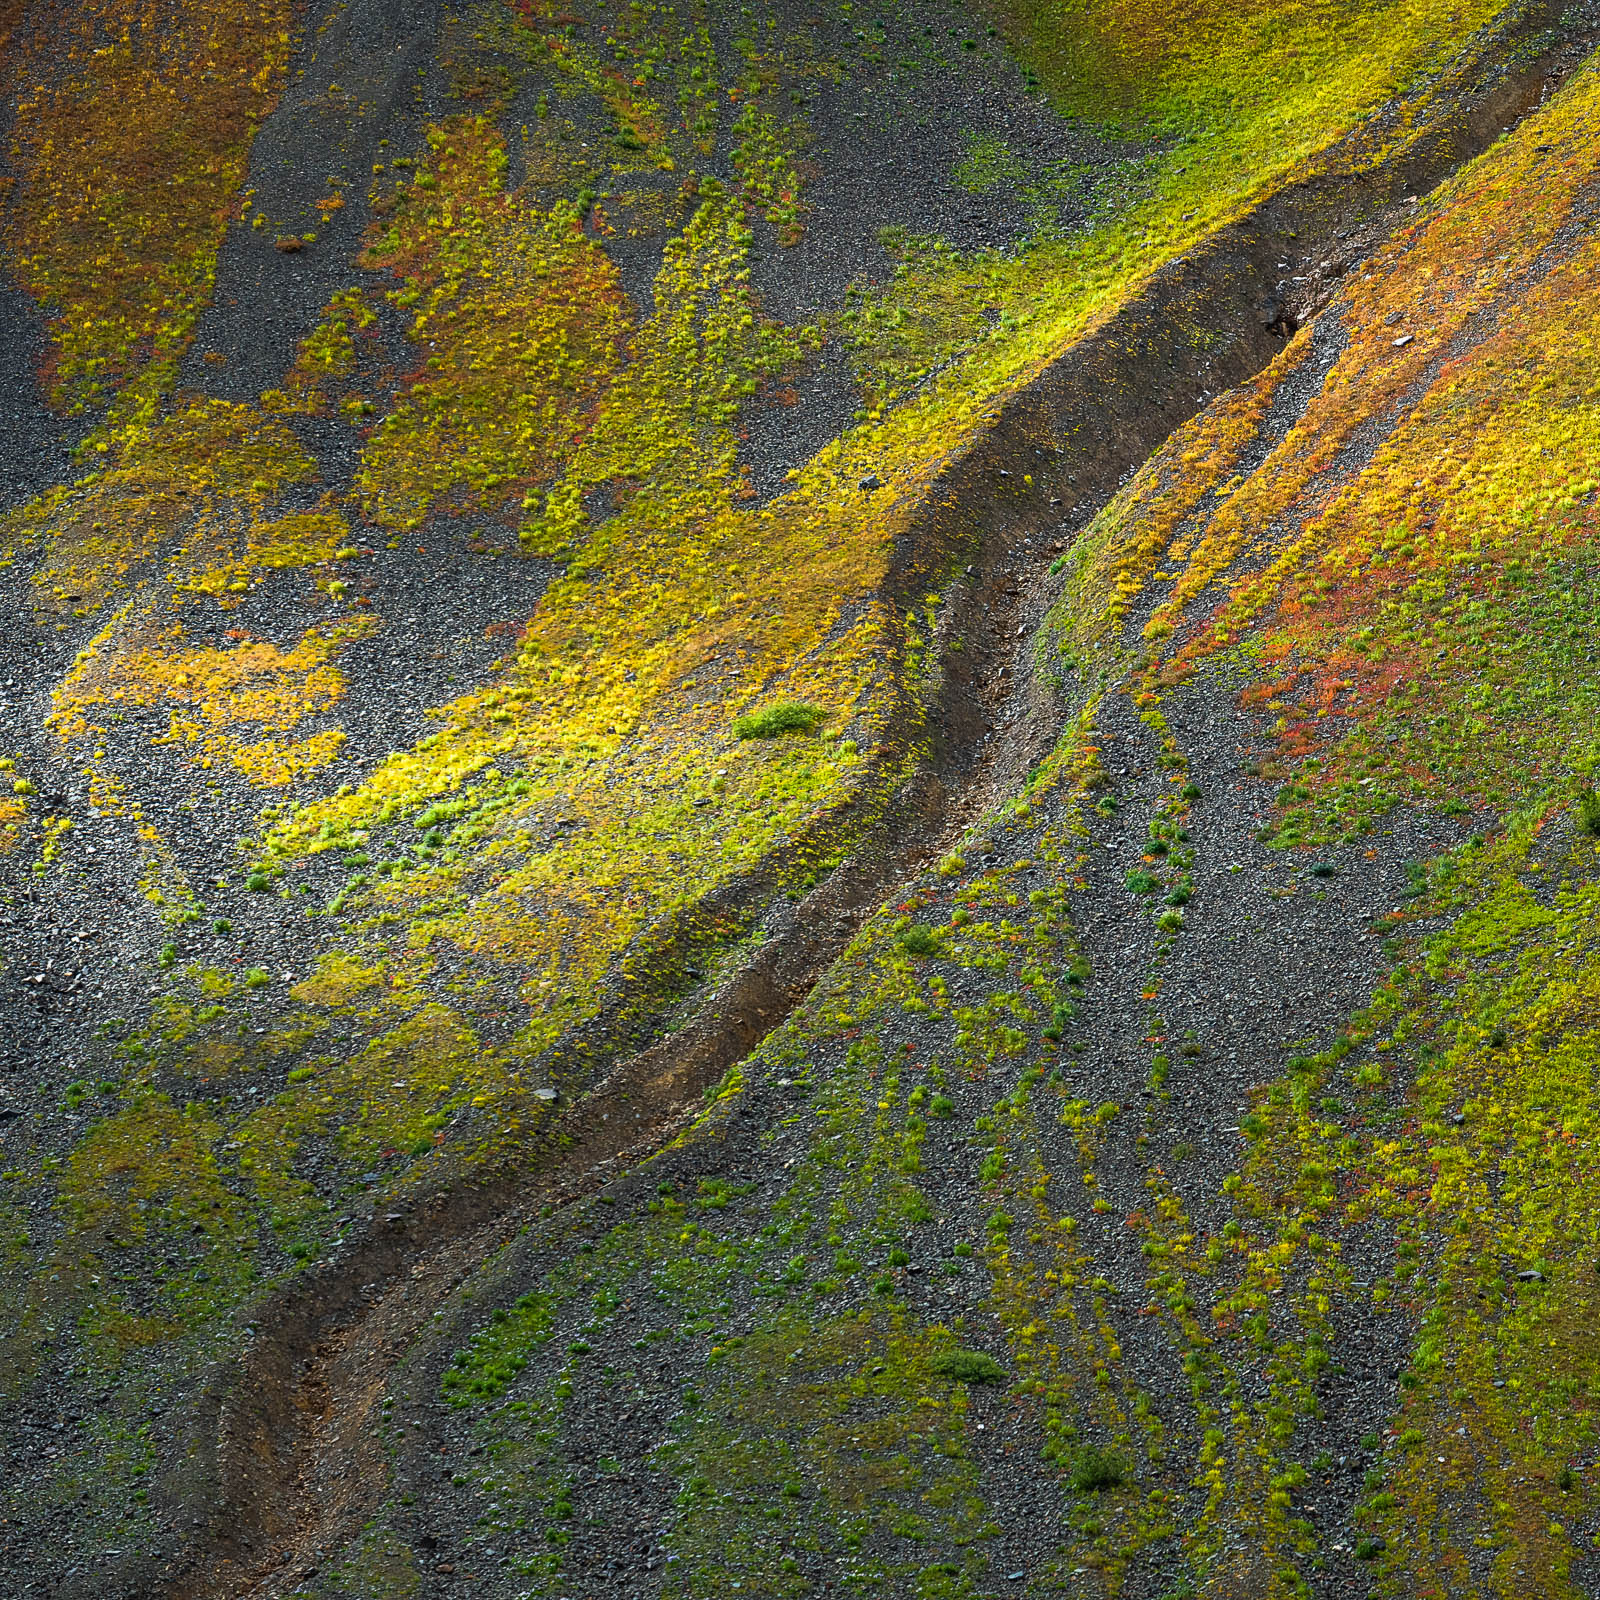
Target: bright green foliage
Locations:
point(788, 716)
point(967, 1366)
point(1094, 1469)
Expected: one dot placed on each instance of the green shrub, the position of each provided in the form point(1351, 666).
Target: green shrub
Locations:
point(943, 1106)
point(919, 940)
point(1589, 811)
point(1094, 1469)
point(967, 1366)
point(1060, 1016)
point(787, 716)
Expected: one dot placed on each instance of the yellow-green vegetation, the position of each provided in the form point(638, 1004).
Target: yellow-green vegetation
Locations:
point(1229, 101)
point(1378, 631)
point(216, 693)
point(682, 609)
point(1446, 1129)
point(714, 699)
point(525, 319)
point(837, 1435)
point(680, 587)
point(328, 358)
point(129, 147)
point(195, 482)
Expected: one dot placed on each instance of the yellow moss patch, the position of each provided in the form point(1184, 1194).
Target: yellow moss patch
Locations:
point(337, 982)
point(147, 1166)
point(213, 691)
point(129, 149)
point(197, 470)
point(518, 319)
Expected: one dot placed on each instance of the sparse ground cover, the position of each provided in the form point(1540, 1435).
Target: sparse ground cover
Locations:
point(443, 714)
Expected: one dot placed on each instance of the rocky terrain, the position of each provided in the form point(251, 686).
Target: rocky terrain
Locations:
point(799, 800)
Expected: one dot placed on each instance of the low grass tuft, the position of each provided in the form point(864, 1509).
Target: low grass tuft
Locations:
point(967, 1366)
point(1589, 811)
point(1095, 1468)
point(787, 716)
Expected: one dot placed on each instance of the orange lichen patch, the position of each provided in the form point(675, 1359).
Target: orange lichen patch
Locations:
point(640, 121)
point(13, 813)
point(205, 459)
point(523, 320)
point(129, 146)
point(214, 691)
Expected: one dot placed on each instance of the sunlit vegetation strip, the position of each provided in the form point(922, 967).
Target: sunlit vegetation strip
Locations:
point(1449, 1127)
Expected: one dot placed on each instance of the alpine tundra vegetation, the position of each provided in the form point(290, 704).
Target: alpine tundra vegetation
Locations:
point(799, 799)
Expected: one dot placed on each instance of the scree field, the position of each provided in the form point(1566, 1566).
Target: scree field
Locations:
point(798, 800)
